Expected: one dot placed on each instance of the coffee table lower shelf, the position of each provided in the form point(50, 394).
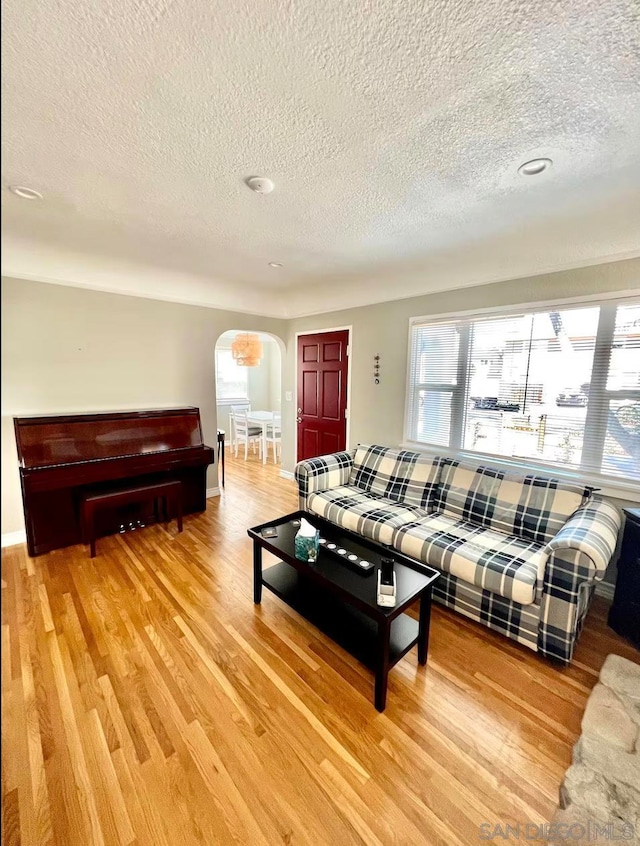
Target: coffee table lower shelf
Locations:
point(347, 626)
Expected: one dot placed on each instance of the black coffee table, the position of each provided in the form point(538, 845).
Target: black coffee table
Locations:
point(340, 601)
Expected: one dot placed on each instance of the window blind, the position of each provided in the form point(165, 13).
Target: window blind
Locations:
point(558, 387)
point(621, 400)
point(434, 376)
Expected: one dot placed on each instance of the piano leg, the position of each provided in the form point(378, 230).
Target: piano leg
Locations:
point(221, 435)
point(88, 520)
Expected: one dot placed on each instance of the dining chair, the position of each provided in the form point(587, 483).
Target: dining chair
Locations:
point(246, 434)
point(235, 409)
point(274, 435)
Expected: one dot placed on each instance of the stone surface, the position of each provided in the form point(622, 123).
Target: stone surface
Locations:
point(600, 794)
point(621, 675)
point(633, 710)
point(575, 827)
point(606, 718)
point(604, 799)
point(607, 760)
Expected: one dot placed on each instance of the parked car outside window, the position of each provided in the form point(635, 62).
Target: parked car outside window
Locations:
point(576, 398)
point(493, 404)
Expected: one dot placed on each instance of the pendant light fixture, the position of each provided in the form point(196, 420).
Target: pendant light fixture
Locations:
point(246, 349)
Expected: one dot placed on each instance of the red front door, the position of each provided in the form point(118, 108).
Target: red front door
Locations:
point(322, 393)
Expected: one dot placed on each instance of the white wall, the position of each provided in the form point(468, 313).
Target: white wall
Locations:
point(68, 349)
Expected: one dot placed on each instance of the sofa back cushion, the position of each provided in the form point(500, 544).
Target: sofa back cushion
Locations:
point(397, 474)
point(533, 508)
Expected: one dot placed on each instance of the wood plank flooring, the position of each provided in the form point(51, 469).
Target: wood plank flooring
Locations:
point(147, 701)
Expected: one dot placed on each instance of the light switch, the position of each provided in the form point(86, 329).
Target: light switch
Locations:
point(288, 396)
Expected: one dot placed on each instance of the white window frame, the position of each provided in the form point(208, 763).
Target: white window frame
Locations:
point(228, 400)
point(608, 485)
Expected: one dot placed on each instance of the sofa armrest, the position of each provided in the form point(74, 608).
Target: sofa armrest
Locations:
point(592, 530)
point(323, 473)
point(578, 558)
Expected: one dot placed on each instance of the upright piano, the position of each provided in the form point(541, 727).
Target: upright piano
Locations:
point(62, 458)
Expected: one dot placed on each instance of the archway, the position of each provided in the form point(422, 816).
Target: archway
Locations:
point(254, 386)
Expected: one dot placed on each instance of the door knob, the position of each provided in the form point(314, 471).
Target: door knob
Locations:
point(298, 419)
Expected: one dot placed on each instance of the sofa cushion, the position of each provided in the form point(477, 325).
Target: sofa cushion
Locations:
point(367, 514)
point(533, 508)
point(396, 474)
point(493, 561)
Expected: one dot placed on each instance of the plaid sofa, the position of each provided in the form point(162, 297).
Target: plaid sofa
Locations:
point(521, 554)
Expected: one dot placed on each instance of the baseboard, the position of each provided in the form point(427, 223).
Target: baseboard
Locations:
point(606, 590)
point(287, 474)
point(213, 492)
point(14, 538)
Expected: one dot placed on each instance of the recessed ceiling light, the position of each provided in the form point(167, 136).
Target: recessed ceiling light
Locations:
point(534, 167)
point(25, 193)
point(260, 184)
point(274, 264)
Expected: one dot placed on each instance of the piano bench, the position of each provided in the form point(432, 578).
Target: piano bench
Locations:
point(167, 492)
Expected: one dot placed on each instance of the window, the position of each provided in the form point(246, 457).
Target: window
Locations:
point(558, 387)
point(231, 380)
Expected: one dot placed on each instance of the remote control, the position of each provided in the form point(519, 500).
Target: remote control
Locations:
point(386, 596)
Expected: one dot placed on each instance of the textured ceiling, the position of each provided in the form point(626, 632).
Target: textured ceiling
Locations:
point(393, 130)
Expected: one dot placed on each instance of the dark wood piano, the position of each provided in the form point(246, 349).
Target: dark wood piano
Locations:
point(63, 458)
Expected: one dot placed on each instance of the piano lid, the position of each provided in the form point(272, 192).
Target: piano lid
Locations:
point(72, 438)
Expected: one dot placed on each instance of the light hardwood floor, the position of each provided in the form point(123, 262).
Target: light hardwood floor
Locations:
point(147, 701)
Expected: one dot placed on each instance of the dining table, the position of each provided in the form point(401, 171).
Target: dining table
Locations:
point(261, 419)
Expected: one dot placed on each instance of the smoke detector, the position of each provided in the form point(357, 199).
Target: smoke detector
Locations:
point(260, 184)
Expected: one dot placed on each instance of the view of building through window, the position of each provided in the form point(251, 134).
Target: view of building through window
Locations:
point(537, 370)
point(559, 386)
